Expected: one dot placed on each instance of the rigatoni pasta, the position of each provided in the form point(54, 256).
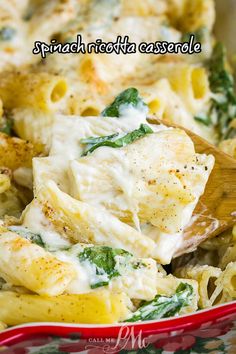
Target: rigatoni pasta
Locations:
point(39, 91)
point(29, 265)
point(15, 152)
point(206, 276)
point(34, 126)
point(189, 81)
point(81, 222)
point(228, 280)
point(101, 307)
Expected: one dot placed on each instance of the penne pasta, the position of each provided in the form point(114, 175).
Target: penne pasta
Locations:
point(189, 81)
point(26, 264)
point(97, 307)
point(2, 326)
point(227, 280)
point(39, 91)
point(207, 277)
point(5, 180)
point(81, 222)
point(34, 126)
point(15, 152)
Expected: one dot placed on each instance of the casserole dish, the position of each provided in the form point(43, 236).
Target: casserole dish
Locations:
point(206, 331)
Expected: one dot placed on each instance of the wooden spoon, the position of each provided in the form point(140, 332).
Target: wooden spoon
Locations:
point(216, 209)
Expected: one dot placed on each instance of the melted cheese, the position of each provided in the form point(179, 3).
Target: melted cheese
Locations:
point(66, 133)
point(152, 184)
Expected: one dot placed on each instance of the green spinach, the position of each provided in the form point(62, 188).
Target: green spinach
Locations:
point(95, 142)
point(128, 97)
point(103, 258)
point(7, 33)
point(199, 35)
point(163, 306)
point(31, 236)
point(203, 119)
point(223, 105)
point(222, 84)
point(2, 283)
point(6, 126)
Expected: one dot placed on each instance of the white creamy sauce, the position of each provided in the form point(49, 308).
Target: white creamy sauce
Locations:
point(86, 270)
point(110, 178)
point(137, 282)
point(121, 177)
point(54, 168)
point(81, 284)
point(128, 110)
point(167, 243)
point(113, 179)
point(36, 221)
point(68, 131)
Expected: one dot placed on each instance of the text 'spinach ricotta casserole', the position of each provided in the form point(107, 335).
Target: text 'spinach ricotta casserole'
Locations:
point(94, 198)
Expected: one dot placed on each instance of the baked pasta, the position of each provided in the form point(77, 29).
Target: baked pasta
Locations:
point(94, 195)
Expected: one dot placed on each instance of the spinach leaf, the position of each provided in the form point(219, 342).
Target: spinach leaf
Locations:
point(220, 78)
point(103, 258)
point(204, 119)
point(223, 105)
point(27, 16)
point(127, 97)
point(7, 33)
point(31, 236)
point(199, 35)
point(96, 142)
point(2, 283)
point(6, 126)
point(163, 306)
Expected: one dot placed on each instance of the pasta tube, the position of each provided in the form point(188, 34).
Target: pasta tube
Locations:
point(188, 81)
point(138, 283)
point(51, 168)
point(227, 280)
point(166, 104)
point(5, 179)
point(229, 147)
point(2, 326)
point(198, 14)
point(15, 152)
point(34, 126)
point(155, 189)
point(229, 255)
point(96, 307)
point(92, 70)
point(38, 91)
point(13, 201)
point(206, 276)
point(29, 265)
point(81, 222)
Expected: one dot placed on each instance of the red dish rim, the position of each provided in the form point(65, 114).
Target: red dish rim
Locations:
point(187, 322)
